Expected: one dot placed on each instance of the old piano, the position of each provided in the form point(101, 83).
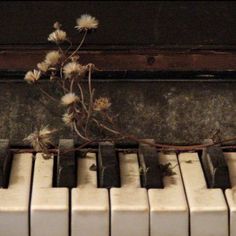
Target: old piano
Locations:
point(169, 69)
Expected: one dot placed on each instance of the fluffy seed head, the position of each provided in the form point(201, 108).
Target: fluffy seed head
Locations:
point(86, 22)
point(101, 104)
point(40, 139)
point(52, 58)
point(32, 76)
point(68, 119)
point(43, 66)
point(69, 99)
point(57, 36)
point(73, 69)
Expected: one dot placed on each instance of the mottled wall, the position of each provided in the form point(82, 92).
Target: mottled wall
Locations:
point(170, 112)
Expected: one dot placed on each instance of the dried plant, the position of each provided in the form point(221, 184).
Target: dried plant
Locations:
point(83, 111)
point(41, 140)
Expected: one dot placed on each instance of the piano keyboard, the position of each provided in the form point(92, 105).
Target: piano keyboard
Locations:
point(35, 203)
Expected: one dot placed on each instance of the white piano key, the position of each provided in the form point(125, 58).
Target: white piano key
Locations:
point(129, 204)
point(208, 209)
point(231, 193)
point(49, 206)
point(168, 206)
point(14, 201)
point(90, 205)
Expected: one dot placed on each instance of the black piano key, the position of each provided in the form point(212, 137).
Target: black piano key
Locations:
point(66, 164)
point(5, 162)
point(215, 168)
point(108, 166)
point(151, 174)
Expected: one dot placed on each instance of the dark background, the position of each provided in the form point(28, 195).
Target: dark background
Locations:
point(124, 23)
point(181, 111)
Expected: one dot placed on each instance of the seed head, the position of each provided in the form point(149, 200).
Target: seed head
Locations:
point(32, 76)
point(86, 22)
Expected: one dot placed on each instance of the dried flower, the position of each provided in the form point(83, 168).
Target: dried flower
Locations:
point(101, 104)
point(57, 36)
point(69, 99)
point(43, 66)
point(32, 76)
point(86, 22)
point(56, 25)
point(68, 119)
point(52, 58)
point(40, 139)
point(73, 69)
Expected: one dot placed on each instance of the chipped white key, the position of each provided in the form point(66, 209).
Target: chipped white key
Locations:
point(168, 206)
point(208, 209)
point(231, 193)
point(14, 201)
point(49, 206)
point(129, 204)
point(90, 205)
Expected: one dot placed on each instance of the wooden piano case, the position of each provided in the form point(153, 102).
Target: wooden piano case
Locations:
point(168, 67)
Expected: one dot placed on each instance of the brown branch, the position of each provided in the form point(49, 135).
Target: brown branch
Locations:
point(46, 94)
point(78, 132)
point(77, 49)
point(90, 98)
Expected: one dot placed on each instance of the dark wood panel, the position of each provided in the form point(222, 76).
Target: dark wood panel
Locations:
point(129, 60)
point(156, 23)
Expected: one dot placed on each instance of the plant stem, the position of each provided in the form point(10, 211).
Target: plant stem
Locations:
point(77, 49)
point(82, 97)
point(163, 146)
point(49, 96)
point(71, 85)
point(90, 98)
point(78, 132)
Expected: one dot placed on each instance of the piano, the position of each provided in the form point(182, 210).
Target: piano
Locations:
point(169, 69)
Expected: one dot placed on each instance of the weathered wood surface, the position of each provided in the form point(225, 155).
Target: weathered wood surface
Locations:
point(169, 112)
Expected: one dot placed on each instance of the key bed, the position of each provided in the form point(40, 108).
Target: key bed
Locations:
point(31, 204)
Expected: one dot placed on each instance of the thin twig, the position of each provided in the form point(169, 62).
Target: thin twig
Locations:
point(105, 127)
point(60, 49)
point(71, 85)
point(90, 99)
point(82, 97)
point(49, 96)
point(78, 132)
point(77, 49)
point(164, 146)
point(67, 50)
